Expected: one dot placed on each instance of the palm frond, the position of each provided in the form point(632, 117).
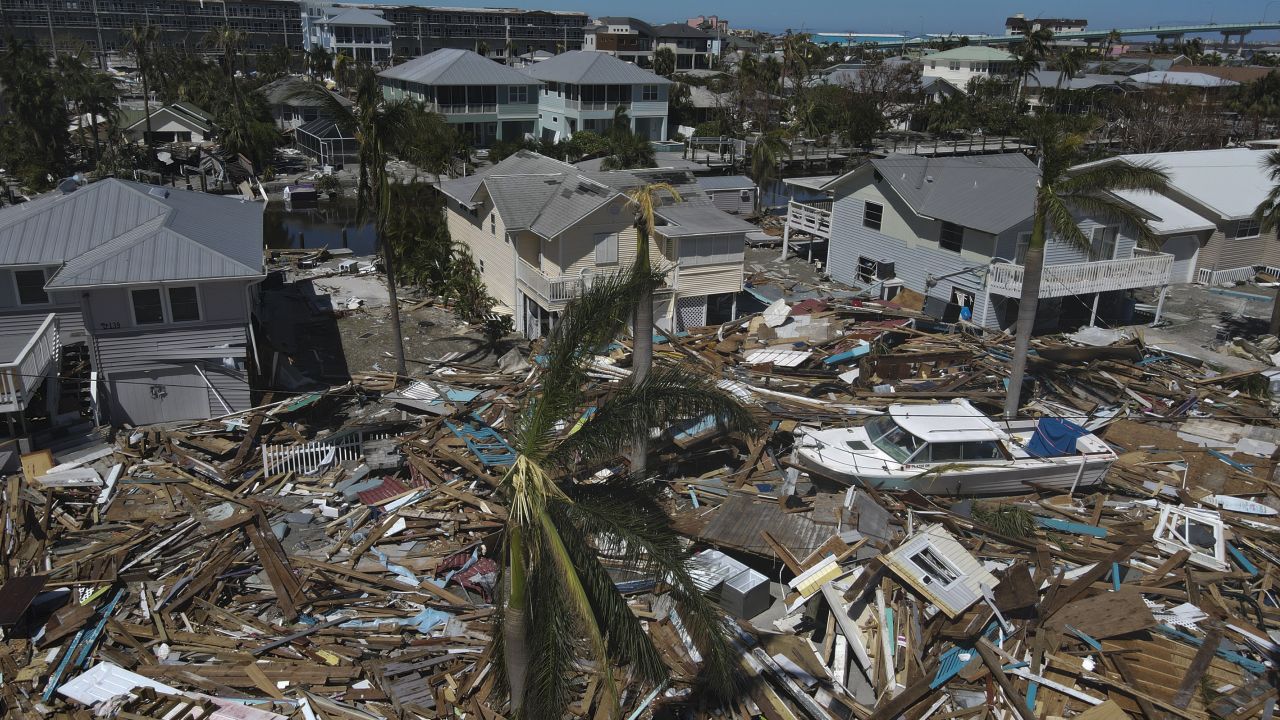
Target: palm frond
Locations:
point(669, 395)
point(1110, 208)
point(625, 510)
point(627, 641)
point(1119, 175)
point(1268, 211)
point(1059, 218)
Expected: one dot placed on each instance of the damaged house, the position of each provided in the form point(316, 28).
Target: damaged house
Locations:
point(956, 230)
point(541, 230)
point(150, 285)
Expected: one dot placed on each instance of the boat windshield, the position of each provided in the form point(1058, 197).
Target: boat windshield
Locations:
point(891, 439)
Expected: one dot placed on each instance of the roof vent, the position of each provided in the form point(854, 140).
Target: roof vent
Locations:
point(928, 178)
point(158, 192)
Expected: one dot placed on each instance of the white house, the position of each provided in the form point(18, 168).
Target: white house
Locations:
point(360, 34)
point(582, 89)
point(958, 66)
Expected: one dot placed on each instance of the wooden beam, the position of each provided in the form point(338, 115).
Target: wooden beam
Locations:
point(992, 662)
point(1199, 664)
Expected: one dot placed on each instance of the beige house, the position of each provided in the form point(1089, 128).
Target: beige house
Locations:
point(542, 231)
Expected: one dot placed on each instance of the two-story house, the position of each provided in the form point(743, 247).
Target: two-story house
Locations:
point(956, 229)
point(1206, 216)
point(542, 230)
point(360, 34)
point(626, 38)
point(694, 48)
point(155, 283)
point(582, 89)
point(485, 100)
point(958, 66)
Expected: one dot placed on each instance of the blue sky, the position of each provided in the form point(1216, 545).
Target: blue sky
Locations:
point(872, 16)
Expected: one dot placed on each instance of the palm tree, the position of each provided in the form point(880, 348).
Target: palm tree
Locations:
point(511, 51)
point(1069, 65)
point(1268, 216)
point(482, 48)
point(1064, 188)
point(342, 70)
point(644, 200)
point(319, 61)
point(1113, 37)
point(558, 604)
point(766, 155)
point(140, 39)
point(380, 127)
point(1032, 50)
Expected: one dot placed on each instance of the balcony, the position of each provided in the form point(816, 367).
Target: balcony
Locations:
point(467, 108)
point(812, 218)
point(1145, 269)
point(597, 105)
point(27, 362)
point(554, 292)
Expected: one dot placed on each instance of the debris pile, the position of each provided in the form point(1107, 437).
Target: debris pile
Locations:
point(334, 554)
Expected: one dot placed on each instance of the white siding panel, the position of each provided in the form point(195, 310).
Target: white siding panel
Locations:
point(494, 252)
point(710, 280)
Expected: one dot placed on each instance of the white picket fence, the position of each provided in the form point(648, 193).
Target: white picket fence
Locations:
point(315, 457)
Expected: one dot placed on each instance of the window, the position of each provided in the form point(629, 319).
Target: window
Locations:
point(31, 287)
point(867, 269)
point(744, 195)
point(649, 93)
point(1104, 244)
point(607, 248)
point(148, 309)
point(933, 64)
point(184, 304)
point(872, 213)
point(955, 65)
point(1020, 252)
point(493, 224)
point(518, 94)
point(1247, 228)
point(712, 250)
point(936, 568)
point(951, 237)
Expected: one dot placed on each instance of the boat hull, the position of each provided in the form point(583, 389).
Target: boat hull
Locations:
point(1059, 474)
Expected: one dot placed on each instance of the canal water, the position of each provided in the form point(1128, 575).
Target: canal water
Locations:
point(330, 223)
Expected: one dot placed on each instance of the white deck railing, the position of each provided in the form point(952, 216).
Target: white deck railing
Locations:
point(811, 218)
point(315, 457)
point(21, 377)
point(554, 292)
point(1146, 269)
point(1206, 276)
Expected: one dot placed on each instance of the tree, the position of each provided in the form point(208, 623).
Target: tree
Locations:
point(627, 150)
point(1069, 65)
point(1268, 215)
point(319, 61)
point(342, 64)
point(1031, 52)
point(140, 39)
point(382, 127)
point(558, 606)
point(643, 201)
point(1063, 189)
point(482, 48)
point(664, 62)
point(766, 155)
point(33, 134)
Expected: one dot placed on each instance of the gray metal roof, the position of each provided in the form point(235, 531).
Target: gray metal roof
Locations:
point(456, 67)
point(116, 232)
point(680, 30)
point(522, 162)
point(726, 182)
point(989, 193)
point(592, 67)
point(356, 16)
point(685, 219)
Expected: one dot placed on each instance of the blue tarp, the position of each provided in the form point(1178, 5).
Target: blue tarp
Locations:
point(1055, 438)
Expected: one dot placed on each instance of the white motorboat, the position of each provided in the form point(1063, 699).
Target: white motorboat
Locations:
point(955, 449)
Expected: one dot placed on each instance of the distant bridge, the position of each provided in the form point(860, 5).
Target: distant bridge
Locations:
point(1163, 32)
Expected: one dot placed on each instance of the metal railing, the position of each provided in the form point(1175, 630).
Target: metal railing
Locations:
point(1148, 269)
point(467, 108)
point(609, 105)
point(813, 218)
point(21, 377)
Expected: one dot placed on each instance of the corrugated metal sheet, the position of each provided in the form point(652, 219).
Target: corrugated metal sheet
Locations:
point(986, 192)
point(450, 66)
point(167, 351)
point(590, 67)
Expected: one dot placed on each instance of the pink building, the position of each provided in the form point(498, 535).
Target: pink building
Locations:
point(708, 22)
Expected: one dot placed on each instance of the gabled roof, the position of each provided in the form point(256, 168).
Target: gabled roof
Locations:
point(1230, 182)
point(130, 119)
point(979, 53)
point(455, 67)
point(282, 92)
point(989, 193)
point(680, 30)
point(119, 232)
point(356, 16)
point(592, 67)
point(1168, 216)
point(633, 22)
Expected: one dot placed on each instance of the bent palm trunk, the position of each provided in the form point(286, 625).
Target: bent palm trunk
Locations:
point(1028, 301)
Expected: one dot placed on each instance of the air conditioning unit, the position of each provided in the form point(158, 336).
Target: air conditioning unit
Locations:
point(885, 270)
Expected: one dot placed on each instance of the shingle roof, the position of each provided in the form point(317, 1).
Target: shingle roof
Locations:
point(115, 232)
point(989, 193)
point(591, 67)
point(356, 16)
point(979, 53)
point(456, 67)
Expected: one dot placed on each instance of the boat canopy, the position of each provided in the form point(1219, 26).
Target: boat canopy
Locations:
point(1054, 437)
point(952, 422)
